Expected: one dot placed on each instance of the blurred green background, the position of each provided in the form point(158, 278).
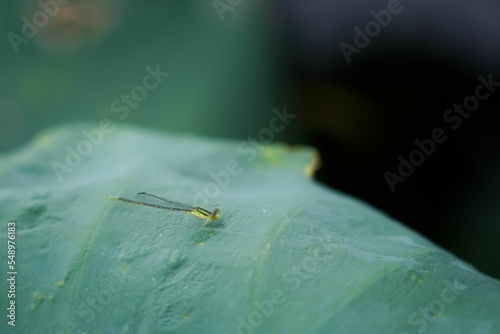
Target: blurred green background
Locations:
point(222, 78)
point(226, 77)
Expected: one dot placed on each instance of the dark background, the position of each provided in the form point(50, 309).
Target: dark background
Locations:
point(364, 113)
point(227, 76)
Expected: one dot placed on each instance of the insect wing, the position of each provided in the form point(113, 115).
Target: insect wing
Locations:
point(163, 202)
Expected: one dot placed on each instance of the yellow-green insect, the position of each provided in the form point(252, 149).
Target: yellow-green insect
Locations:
point(167, 204)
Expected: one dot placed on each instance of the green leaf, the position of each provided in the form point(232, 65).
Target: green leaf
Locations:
point(287, 256)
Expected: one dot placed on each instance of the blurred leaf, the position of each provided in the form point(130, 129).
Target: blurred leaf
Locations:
point(289, 255)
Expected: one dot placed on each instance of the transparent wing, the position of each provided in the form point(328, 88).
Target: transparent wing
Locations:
point(163, 203)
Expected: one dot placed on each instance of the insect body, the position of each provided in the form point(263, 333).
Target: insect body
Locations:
point(167, 204)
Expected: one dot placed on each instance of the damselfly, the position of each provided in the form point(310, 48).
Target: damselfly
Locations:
point(167, 204)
